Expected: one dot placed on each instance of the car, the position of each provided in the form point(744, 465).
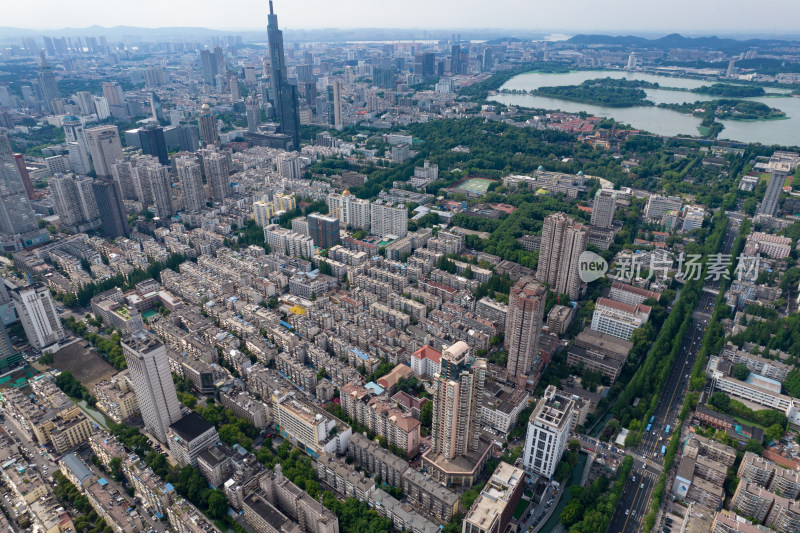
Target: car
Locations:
point(641, 486)
point(627, 512)
point(634, 479)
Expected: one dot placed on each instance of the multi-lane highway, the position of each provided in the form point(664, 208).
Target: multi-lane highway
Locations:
point(638, 491)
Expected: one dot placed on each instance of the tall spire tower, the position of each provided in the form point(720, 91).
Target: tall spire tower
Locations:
point(284, 94)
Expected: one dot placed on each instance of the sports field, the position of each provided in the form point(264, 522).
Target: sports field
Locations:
point(474, 185)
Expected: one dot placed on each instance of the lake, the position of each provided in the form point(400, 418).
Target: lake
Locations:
point(654, 119)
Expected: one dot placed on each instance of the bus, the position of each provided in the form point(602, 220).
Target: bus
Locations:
point(652, 418)
point(647, 429)
point(666, 431)
point(663, 450)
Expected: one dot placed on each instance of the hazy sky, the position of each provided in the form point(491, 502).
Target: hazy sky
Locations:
point(728, 16)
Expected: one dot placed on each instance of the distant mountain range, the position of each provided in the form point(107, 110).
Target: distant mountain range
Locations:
point(126, 33)
point(134, 33)
point(676, 40)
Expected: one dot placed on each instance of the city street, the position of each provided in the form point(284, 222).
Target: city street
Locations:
point(636, 496)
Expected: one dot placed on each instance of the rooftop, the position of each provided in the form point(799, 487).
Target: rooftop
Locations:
point(191, 426)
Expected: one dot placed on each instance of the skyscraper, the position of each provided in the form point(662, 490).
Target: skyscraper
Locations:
point(76, 144)
point(74, 201)
point(38, 316)
point(253, 112)
point(16, 214)
point(112, 92)
point(563, 241)
point(772, 196)
point(553, 229)
point(208, 65)
point(526, 303)
point(455, 58)
point(108, 197)
point(191, 182)
point(208, 126)
point(217, 174)
point(47, 82)
point(156, 176)
point(148, 365)
point(603, 208)
point(104, 147)
point(284, 94)
point(568, 280)
point(125, 176)
point(188, 138)
point(151, 137)
point(323, 229)
point(458, 391)
point(23, 173)
point(425, 65)
point(337, 105)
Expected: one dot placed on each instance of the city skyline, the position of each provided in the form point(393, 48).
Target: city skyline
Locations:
point(571, 15)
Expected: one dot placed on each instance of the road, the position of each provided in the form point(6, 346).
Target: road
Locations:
point(648, 460)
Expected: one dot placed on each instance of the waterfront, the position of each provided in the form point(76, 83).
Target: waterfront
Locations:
point(655, 119)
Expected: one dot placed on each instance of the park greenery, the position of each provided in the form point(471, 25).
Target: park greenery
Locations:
point(728, 109)
point(607, 92)
point(728, 90)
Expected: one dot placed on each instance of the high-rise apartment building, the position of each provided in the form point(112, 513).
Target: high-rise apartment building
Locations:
point(151, 139)
point(124, 174)
point(74, 201)
point(16, 215)
point(772, 196)
point(76, 144)
point(457, 400)
point(38, 315)
point(155, 176)
point(603, 208)
point(548, 432)
point(562, 243)
point(351, 211)
point(526, 303)
point(574, 243)
point(388, 220)
point(111, 208)
point(217, 174)
point(553, 229)
point(289, 166)
point(284, 94)
point(150, 374)
point(323, 229)
point(192, 183)
point(104, 147)
point(263, 212)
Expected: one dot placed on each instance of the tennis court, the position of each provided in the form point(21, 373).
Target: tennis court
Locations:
point(474, 185)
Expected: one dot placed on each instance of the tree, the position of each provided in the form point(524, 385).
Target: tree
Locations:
point(426, 414)
point(774, 433)
point(740, 371)
point(217, 504)
point(753, 446)
point(720, 400)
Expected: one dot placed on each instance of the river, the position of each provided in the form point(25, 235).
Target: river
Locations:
point(659, 120)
